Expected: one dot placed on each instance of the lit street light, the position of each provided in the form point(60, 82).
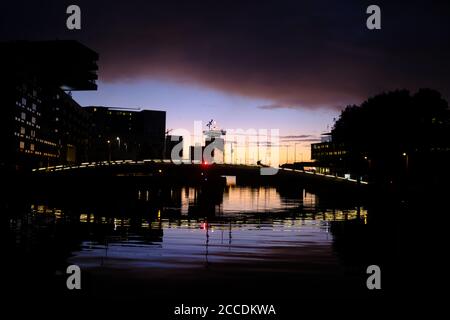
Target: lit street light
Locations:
point(406, 161)
point(295, 153)
point(109, 150)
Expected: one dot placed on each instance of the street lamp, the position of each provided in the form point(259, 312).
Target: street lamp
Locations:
point(295, 153)
point(109, 150)
point(406, 161)
point(288, 146)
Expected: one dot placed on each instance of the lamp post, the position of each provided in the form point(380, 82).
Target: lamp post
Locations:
point(287, 153)
point(295, 153)
point(109, 150)
point(406, 161)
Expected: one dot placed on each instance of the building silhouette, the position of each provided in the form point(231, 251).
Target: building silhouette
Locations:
point(126, 134)
point(329, 157)
point(41, 124)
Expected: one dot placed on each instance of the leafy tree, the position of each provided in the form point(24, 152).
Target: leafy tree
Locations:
point(394, 134)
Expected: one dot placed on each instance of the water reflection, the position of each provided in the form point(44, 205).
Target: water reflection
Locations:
point(170, 237)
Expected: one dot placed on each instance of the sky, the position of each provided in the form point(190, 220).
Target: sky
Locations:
point(291, 65)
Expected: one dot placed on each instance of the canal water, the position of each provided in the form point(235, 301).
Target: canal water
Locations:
point(187, 243)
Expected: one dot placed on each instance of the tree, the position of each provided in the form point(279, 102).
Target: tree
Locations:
point(394, 135)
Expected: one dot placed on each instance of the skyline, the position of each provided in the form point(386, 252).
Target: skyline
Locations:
point(184, 109)
point(293, 66)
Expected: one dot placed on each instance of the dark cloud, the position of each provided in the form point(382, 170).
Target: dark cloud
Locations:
point(298, 54)
point(300, 138)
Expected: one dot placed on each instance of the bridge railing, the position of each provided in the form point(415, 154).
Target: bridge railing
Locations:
point(167, 161)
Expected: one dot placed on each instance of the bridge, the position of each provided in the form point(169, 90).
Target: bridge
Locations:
point(194, 172)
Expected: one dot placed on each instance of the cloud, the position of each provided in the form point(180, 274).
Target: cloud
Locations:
point(313, 54)
point(300, 138)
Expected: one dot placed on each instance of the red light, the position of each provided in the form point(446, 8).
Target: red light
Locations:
point(204, 225)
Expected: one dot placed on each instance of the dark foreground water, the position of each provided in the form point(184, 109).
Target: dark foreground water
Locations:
point(185, 244)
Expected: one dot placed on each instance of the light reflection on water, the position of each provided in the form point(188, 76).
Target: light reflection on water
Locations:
point(193, 243)
point(168, 238)
point(249, 224)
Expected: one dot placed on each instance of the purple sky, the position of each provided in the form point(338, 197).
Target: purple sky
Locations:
point(290, 65)
point(186, 103)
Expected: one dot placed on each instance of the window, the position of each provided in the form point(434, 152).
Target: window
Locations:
point(33, 120)
point(22, 145)
point(32, 147)
point(24, 101)
point(23, 116)
point(22, 130)
point(33, 107)
point(34, 93)
point(33, 133)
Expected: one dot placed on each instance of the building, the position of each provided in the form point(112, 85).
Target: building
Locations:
point(329, 157)
point(126, 134)
point(41, 124)
point(215, 148)
point(214, 143)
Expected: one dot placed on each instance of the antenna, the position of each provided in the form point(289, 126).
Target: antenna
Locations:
point(209, 124)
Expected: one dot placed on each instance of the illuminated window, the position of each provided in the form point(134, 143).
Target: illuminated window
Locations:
point(22, 130)
point(22, 145)
point(23, 116)
point(24, 101)
point(32, 147)
point(33, 120)
point(33, 133)
point(33, 106)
